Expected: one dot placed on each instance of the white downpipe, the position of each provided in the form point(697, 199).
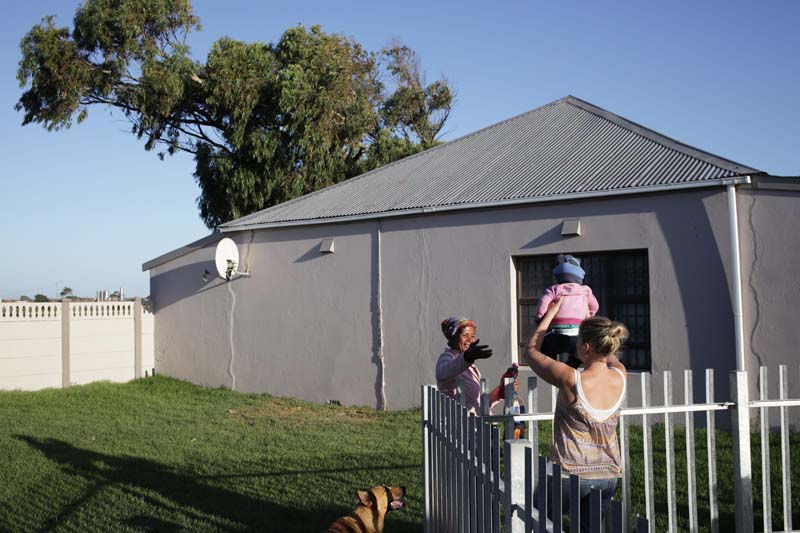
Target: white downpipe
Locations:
point(231, 344)
point(736, 274)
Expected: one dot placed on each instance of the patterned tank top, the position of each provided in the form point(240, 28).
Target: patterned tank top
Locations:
point(584, 438)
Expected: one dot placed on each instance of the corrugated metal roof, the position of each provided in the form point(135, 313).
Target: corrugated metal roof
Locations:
point(568, 148)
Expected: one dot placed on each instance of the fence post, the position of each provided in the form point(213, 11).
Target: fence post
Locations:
point(426, 461)
point(541, 504)
point(669, 452)
point(691, 490)
point(625, 457)
point(711, 445)
point(485, 405)
point(508, 407)
point(766, 486)
point(65, 352)
point(137, 338)
point(647, 446)
point(574, 503)
point(533, 425)
point(742, 468)
point(514, 458)
point(786, 460)
point(595, 511)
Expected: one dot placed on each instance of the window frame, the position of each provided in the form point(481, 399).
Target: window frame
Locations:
point(607, 288)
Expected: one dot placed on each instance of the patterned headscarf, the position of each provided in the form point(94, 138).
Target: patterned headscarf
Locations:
point(451, 326)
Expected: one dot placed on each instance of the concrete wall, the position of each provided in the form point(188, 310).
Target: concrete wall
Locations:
point(30, 345)
point(42, 345)
point(314, 326)
point(770, 250)
point(460, 263)
point(101, 342)
point(302, 325)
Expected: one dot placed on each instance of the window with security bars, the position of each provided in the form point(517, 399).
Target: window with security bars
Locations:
point(620, 281)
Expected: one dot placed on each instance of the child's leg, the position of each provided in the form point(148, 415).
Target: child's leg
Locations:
point(572, 359)
point(556, 345)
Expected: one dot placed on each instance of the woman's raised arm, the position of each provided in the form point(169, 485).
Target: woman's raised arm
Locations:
point(550, 370)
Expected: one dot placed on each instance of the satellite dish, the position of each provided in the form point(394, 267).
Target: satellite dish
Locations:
point(226, 260)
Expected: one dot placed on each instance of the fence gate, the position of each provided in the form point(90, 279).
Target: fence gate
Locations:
point(475, 481)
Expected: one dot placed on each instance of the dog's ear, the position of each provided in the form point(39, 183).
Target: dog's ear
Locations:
point(363, 497)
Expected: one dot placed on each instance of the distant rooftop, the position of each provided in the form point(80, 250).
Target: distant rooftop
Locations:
point(566, 149)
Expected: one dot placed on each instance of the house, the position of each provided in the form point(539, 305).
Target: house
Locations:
point(349, 284)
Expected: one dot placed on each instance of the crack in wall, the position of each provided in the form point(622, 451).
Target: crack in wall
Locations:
point(751, 282)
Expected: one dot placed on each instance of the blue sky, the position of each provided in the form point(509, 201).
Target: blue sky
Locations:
point(87, 206)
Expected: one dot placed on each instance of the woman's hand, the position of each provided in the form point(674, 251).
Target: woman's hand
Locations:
point(501, 389)
point(476, 351)
point(544, 323)
point(553, 308)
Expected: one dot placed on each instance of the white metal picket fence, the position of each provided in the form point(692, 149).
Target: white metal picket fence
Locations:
point(467, 491)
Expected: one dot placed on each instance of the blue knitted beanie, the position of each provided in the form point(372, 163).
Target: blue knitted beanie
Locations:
point(569, 270)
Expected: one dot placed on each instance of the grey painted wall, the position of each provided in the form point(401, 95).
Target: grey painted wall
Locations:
point(467, 270)
point(314, 326)
point(769, 222)
point(300, 326)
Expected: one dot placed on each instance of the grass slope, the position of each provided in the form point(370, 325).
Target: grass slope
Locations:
point(161, 454)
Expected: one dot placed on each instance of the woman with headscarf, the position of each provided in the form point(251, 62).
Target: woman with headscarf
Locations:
point(456, 364)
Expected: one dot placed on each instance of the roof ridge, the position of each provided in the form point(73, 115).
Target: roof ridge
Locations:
point(628, 126)
point(660, 138)
point(430, 150)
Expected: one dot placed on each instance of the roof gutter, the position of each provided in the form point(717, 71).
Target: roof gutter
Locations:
point(736, 275)
point(724, 182)
point(210, 239)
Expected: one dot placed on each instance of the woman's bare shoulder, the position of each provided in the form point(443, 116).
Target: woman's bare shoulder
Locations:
point(614, 362)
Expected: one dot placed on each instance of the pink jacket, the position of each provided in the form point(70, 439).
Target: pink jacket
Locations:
point(578, 299)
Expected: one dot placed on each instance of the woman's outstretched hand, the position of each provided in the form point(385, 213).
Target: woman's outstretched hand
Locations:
point(477, 352)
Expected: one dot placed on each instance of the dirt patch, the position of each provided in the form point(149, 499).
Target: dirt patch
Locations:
point(293, 413)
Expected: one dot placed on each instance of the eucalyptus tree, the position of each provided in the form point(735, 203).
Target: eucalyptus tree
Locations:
point(265, 122)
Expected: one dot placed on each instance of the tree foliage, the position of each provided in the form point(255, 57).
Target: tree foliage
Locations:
point(41, 298)
point(66, 292)
point(265, 122)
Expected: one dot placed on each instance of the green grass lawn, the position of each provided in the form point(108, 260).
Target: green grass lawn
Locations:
point(161, 454)
point(725, 479)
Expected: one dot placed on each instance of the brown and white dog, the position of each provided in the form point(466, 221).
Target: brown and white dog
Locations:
point(371, 509)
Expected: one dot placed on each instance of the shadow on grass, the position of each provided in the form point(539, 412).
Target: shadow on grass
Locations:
point(315, 472)
point(175, 500)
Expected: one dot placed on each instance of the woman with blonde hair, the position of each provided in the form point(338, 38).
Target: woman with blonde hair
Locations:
point(587, 406)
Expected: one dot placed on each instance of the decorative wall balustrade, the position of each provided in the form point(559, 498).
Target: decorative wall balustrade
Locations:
point(58, 344)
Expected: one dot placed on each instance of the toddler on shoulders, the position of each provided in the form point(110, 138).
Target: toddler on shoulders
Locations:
point(579, 303)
